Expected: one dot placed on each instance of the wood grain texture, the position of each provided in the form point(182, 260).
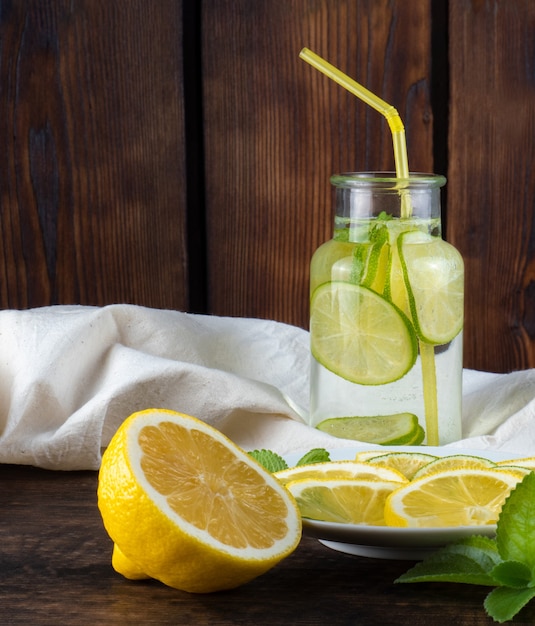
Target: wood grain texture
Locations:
point(92, 185)
point(276, 130)
point(143, 166)
point(55, 569)
point(491, 187)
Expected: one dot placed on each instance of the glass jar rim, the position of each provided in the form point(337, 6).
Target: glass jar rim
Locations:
point(387, 180)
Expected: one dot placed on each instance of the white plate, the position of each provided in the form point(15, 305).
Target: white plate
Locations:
point(386, 542)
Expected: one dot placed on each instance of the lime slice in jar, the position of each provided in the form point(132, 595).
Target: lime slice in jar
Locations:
point(433, 273)
point(370, 261)
point(394, 430)
point(359, 335)
point(395, 289)
point(375, 276)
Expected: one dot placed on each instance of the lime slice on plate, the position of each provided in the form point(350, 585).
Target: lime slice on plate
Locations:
point(359, 335)
point(433, 273)
point(408, 463)
point(454, 461)
point(394, 430)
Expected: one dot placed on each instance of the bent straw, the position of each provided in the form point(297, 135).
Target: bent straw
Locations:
point(390, 113)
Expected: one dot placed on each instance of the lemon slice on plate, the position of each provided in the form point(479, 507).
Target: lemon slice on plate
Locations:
point(365, 455)
point(456, 497)
point(337, 470)
point(526, 462)
point(347, 501)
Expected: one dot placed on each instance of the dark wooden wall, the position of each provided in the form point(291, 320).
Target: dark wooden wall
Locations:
point(177, 153)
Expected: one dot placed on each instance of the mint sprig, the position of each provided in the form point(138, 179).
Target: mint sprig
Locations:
point(316, 455)
point(269, 460)
point(274, 463)
point(506, 562)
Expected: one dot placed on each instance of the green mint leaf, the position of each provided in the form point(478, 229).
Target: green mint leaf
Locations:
point(358, 267)
point(379, 233)
point(512, 574)
point(269, 460)
point(508, 561)
point(468, 561)
point(503, 603)
point(384, 216)
point(316, 455)
point(515, 533)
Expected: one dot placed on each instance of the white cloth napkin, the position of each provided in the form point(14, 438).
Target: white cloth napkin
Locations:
point(69, 375)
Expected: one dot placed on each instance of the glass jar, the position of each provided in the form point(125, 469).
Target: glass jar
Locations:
point(386, 315)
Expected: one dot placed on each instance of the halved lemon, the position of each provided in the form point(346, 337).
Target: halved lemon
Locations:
point(123, 565)
point(185, 505)
point(456, 497)
point(339, 469)
point(346, 501)
point(360, 335)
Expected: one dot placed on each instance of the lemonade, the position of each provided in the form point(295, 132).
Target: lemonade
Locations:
point(386, 310)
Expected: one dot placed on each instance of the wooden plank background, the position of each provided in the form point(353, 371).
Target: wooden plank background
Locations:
point(177, 153)
point(491, 193)
point(93, 165)
point(277, 130)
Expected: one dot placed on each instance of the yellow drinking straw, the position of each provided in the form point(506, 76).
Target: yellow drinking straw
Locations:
point(427, 353)
point(392, 116)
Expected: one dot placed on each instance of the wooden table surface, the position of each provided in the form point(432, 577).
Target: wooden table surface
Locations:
point(55, 569)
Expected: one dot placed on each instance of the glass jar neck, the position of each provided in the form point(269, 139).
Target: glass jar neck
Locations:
point(364, 197)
